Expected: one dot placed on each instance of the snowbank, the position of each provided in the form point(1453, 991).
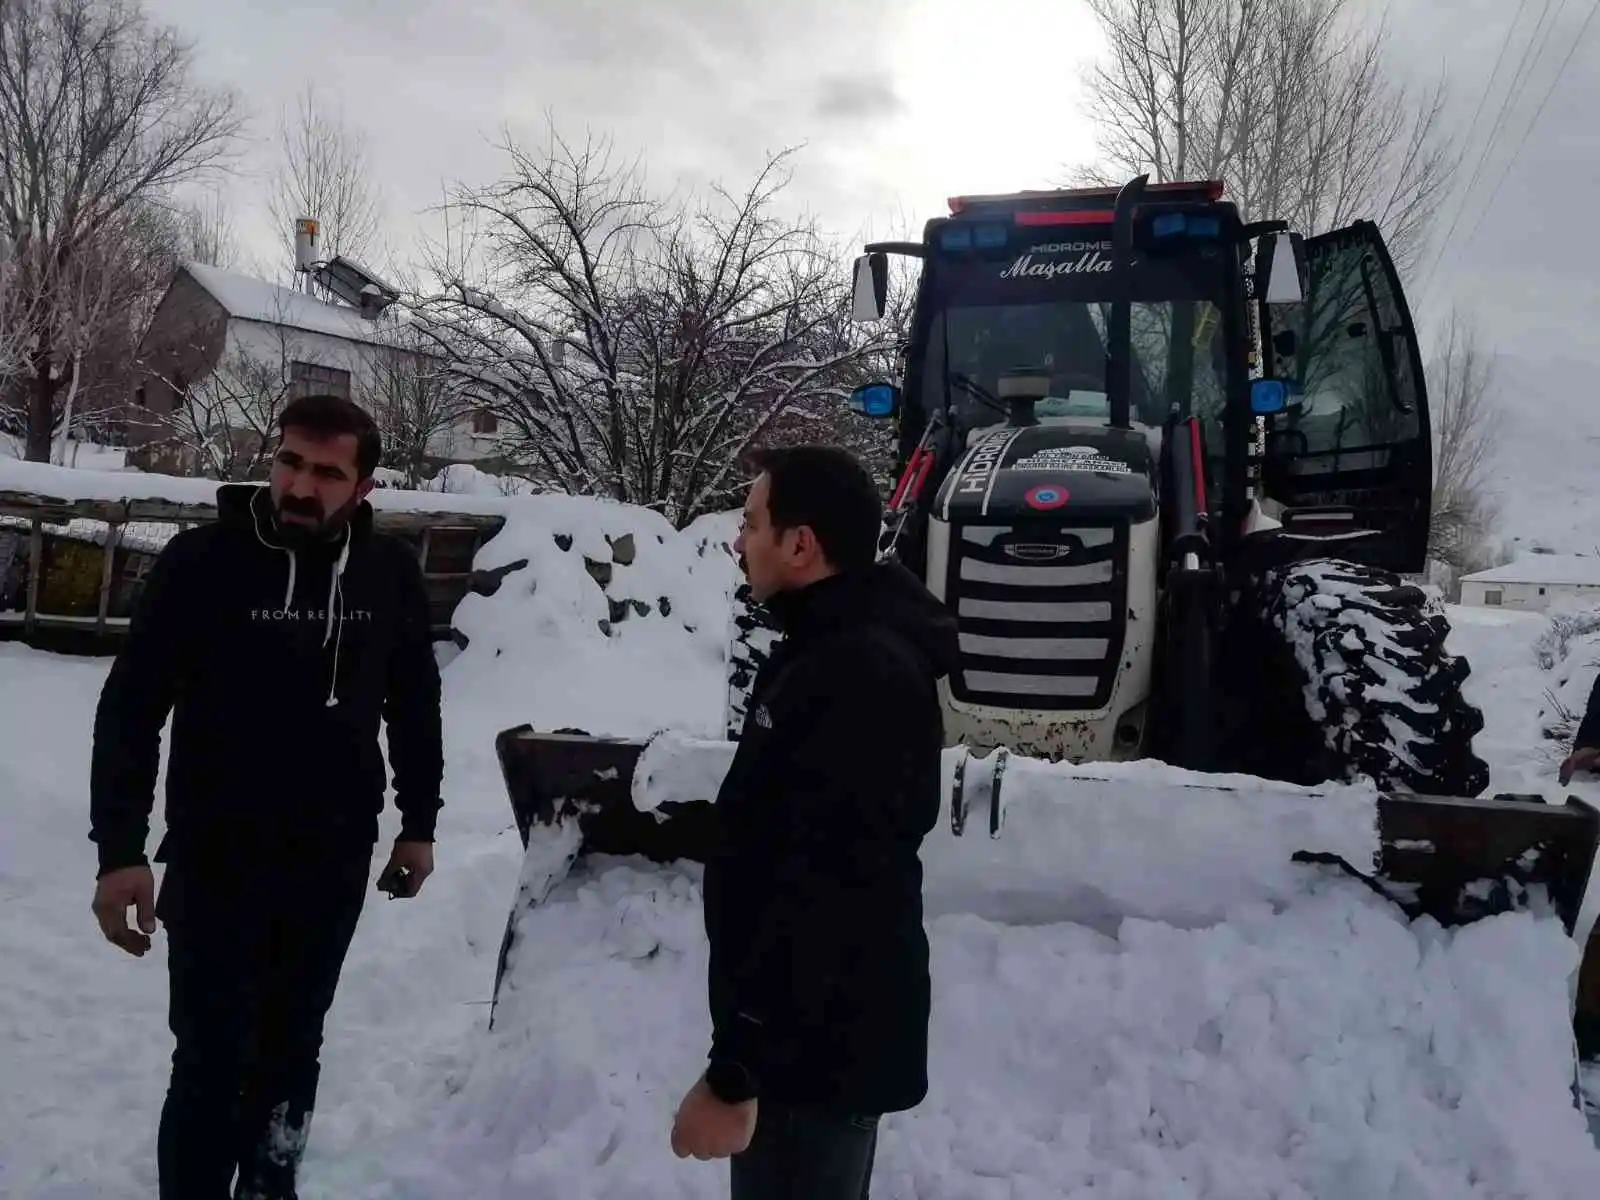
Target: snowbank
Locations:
point(461, 479)
point(1325, 1050)
point(87, 455)
point(1531, 676)
point(1094, 844)
point(1277, 1031)
point(605, 618)
point(68, 483)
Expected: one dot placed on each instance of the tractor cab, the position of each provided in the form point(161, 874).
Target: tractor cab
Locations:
point(1290, 363)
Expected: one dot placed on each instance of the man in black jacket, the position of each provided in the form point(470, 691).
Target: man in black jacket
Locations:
point(277, 637)
point(1585, 754)
point(819, 982)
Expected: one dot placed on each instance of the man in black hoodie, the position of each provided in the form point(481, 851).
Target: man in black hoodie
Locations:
point(277, 637)
point(819, 981)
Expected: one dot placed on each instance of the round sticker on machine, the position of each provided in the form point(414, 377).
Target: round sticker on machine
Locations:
point(1046, 497)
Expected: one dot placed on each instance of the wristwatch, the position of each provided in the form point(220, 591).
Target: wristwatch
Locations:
point(730, 1082)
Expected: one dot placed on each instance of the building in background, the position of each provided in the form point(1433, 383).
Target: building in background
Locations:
point(225, 352)
point(1534, 583)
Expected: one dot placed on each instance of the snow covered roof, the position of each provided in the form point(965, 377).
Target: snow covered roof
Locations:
point(1571, 569)
point(247, 298)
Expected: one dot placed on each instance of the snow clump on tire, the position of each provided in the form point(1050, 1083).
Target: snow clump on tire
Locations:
point(1369, 652)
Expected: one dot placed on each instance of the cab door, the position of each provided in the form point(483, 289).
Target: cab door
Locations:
point(1351, 459)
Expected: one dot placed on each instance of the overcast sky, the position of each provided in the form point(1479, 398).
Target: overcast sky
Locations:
point(900, 103)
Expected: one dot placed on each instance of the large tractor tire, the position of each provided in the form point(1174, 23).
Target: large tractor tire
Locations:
point(1382, 696)
point(755, 633)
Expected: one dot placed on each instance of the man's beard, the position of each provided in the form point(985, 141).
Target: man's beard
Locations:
point(313, 526)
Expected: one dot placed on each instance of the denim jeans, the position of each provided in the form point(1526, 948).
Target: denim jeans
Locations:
point(252, 978)
point(801, 1153)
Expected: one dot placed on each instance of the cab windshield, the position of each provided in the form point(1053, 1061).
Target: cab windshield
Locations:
point(1178, 351)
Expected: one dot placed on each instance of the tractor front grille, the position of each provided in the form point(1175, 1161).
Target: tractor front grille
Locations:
point(1042, 614)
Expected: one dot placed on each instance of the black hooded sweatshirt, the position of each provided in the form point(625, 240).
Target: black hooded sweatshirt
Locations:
point(276, 665)
point(819, 983)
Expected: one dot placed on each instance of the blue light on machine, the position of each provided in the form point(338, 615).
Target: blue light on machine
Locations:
point(1174, 224)
point(987, 236)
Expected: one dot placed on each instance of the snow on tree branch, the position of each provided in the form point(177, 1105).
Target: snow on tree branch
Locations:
point(1292, 102)
point(637, 347)
point(99, 123)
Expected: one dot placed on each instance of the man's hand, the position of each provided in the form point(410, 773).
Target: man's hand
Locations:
point(1581, 759)
point(410, 863)
point(707, 1128)
point(113, 893)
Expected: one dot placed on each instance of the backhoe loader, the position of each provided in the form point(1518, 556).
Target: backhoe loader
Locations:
point(1172, 473)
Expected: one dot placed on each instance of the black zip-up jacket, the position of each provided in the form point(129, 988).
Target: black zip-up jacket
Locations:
point(276, 666)
point(1589, 728)
point(819, 983)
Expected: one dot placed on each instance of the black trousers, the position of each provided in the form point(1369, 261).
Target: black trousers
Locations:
point(254, 960)
point(801, 1153)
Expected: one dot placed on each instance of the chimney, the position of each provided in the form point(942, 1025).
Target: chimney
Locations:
point(305, 244)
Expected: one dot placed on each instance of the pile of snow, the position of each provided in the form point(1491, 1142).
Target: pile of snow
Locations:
point(1195, 1016)
point(608, 594)
point(461, 479)
point(89, 456)
point(66, 483)
point(1531, 676)
point(1092, 844)
point(1323, 1050)
point(112, 484)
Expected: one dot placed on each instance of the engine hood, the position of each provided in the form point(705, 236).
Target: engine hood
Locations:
point(1068, 474)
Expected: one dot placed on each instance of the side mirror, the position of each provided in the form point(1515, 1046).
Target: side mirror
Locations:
point(876, 400)
point(1281, 268)
point(1268, 396)
point(869, 292)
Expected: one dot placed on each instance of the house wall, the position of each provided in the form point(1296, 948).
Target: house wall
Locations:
point(183, 343)
point(463, 442)
point(1524, 597)
point(193, 343)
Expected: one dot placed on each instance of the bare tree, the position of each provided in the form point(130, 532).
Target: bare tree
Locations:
point(1291, 102)
point(1466, 430)
point(223, 424)
point(323, 173)
point(208, 234)
point(416, 399)
point(83, 293)
point(98, 118)
point(633, 347)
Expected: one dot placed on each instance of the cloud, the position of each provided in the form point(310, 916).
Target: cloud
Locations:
point(857, 98)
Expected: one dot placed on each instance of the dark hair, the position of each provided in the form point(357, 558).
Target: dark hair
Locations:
point(324, 415)
point(827, 488)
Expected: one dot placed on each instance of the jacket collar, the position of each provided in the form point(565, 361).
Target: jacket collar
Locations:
point(827, 603)
point(250, 505)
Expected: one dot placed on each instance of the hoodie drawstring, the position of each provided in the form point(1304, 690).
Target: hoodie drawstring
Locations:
point(334, 628)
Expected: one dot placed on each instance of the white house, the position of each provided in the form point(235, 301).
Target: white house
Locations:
point(224, 351)
point(1534, 583)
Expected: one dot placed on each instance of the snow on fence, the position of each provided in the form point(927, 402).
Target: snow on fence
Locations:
point(76, 545)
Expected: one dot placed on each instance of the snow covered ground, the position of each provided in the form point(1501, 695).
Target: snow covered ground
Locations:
point(1242, 1029)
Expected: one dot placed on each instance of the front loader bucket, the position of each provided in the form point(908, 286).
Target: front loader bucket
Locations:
point(554, 778)
point(1026, 841)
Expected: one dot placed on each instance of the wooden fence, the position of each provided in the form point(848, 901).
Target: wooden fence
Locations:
point(76, 566)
